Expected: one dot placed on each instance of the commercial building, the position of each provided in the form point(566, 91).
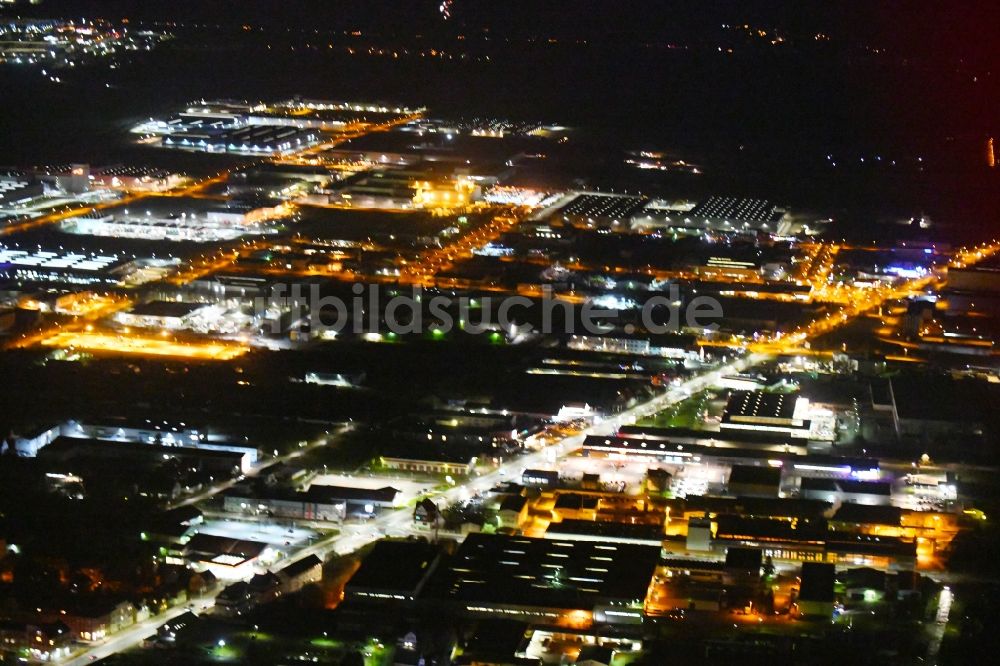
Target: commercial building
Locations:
point(575, 506)
point(730, 270)
point(675, 448)
point(599, 646)
point(241, 597)
point(603, 531)
point(956, 412)
point(430, 460)
point(513, 512)
point(64, 178)
point(29, 443)
point(224, 552)
point(720, 213)
point(157, 432)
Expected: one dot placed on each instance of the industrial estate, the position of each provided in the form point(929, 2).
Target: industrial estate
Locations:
point(320, 378)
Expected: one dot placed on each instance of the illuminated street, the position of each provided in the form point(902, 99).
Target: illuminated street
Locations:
point(144, 346)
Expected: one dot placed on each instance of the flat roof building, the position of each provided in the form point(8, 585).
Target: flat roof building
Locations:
point(429, 459)
point(543, 579)
point(173, 315)
point(328, 503)
point(736, 213)
point(754, 481)
point(816, 594)
point(220, 461)
point(594, 207)
point(393, 571)
point(62, 266)
point(846, 490)
point(766, 412)
point(223, 551)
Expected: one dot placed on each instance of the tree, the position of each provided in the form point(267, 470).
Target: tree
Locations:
point(353, 659)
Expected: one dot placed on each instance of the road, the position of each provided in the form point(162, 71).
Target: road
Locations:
point(134, 635)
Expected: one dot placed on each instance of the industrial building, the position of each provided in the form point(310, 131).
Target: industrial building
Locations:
point(327, 503)
point(63, 266)
point(846, 490)
point(638, 343)
point(737, 213)
point(209, 226)
point(590, 208)
point(394, 571)
point(170, 315)
point(135, 178)
point(429, 458)
point(419, 186)
point(767, 412)
point(153, 433)
point(14, 191)
point(545, 580)
point(215, 137)
point(220, 461)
